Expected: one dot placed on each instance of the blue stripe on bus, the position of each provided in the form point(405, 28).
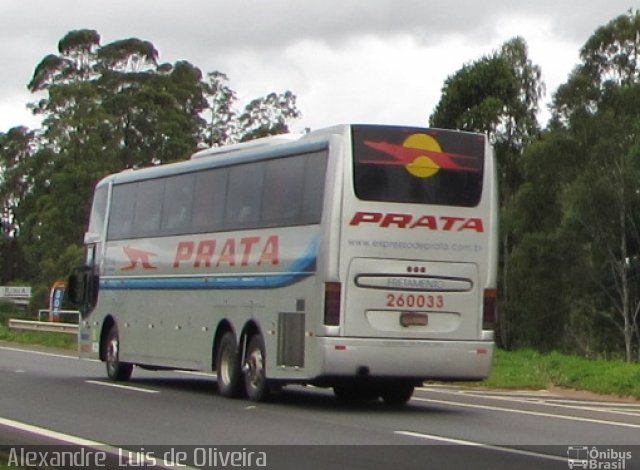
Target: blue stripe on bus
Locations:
point(299, 270)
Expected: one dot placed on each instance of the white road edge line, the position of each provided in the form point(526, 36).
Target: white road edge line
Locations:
point(196, 373)
point(52, 434)
point(75, 440)
point(481, 445)
point(39, 353)
point(530, 413)
point(123, 387)
point(621, 408)
point(42, 353)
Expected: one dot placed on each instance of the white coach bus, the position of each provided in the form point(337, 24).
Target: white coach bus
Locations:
point(356, 257)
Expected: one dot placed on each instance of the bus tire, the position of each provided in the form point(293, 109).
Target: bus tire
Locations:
point(255, 377)
point(229, 376)
point(116, 370)
point(397, 393)
point(353, 392)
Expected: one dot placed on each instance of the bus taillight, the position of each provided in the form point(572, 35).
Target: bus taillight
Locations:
point(332, 294)
point(490, 309)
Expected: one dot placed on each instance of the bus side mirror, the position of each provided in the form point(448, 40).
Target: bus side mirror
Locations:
point(73, 293)
point(82, 289)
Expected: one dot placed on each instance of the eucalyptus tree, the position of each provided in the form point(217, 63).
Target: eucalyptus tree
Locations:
point(17, 148)
point(105, 108)
point(498, 94)
point(222, 126)
point(261, 117)
point(599, 107)
point(268, 115)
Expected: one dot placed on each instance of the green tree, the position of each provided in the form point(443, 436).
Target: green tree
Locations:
point(261, 117)
point(541, 259)
point(602, 211)
point(576, 214)
point(106, 108)
point(222, 127)
point(268, 115)
point(498, 95)
point(16, 149)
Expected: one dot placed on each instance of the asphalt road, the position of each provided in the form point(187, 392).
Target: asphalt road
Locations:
point(171, 418)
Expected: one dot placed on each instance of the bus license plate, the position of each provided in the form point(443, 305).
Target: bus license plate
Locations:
point(413, 319)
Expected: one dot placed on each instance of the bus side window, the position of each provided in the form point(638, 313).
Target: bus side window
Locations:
point(244, 196)
point(122, 207)
point(209, 200)
point(176, 208)
point(98, 210)
point(282, 199)
point(146, 221)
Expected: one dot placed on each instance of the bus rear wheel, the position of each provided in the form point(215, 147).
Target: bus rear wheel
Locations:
point(116, 370)
point(397, 393)
point(255, 377)
point(229, 377)
point(352, 392)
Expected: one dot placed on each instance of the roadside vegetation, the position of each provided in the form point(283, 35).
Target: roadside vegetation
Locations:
point(42, 338)
point(528, 369)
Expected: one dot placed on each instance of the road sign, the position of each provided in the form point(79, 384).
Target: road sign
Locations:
point(15, 292)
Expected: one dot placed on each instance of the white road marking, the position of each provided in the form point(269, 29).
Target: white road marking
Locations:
point(123, 387)
point(527, 412)
point(48, 354)
point(196, 373)
point(482, 445)
point(546, 399)
point(80, 441)
point(51, 434)
point(39, 353)
point(452, 389)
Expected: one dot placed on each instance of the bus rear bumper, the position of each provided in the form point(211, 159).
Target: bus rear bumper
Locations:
point(398, 358)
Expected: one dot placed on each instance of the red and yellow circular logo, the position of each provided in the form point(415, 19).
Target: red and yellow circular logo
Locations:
point(422, 156)
point(423, 166)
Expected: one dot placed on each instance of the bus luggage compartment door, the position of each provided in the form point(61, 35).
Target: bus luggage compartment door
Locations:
point(412, 299)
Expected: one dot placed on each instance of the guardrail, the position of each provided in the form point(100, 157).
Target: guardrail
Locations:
point(52, 327)
point(48, 326)
point(60, 313)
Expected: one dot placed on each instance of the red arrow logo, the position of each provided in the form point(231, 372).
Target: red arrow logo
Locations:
point(137, 256)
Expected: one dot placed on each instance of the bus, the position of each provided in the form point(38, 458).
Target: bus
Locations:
point(361, 258)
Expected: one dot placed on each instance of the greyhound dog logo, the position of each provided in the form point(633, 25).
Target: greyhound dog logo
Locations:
point(137, 256)
point(422, 156)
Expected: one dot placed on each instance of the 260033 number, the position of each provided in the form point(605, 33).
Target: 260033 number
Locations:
point(415, 300)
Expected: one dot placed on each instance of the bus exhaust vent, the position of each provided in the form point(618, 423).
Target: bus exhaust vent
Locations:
point(291, 339)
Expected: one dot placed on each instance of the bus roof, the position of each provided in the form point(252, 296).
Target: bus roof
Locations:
point(260, 149)
point(256, 150)
point(252, 144)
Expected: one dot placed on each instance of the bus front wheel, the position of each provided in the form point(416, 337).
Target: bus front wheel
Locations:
point(255, 377)
point(116, 370)
point(228, 372)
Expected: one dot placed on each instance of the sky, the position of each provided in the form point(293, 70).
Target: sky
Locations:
point(364, 61)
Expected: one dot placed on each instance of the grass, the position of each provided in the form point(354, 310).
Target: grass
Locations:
point(4, 462)
point(52, 340)
point(532, 370)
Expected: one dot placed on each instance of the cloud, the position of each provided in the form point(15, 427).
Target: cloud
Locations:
point(344, 59)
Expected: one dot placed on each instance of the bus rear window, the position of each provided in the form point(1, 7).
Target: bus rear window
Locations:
point(421, 166)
